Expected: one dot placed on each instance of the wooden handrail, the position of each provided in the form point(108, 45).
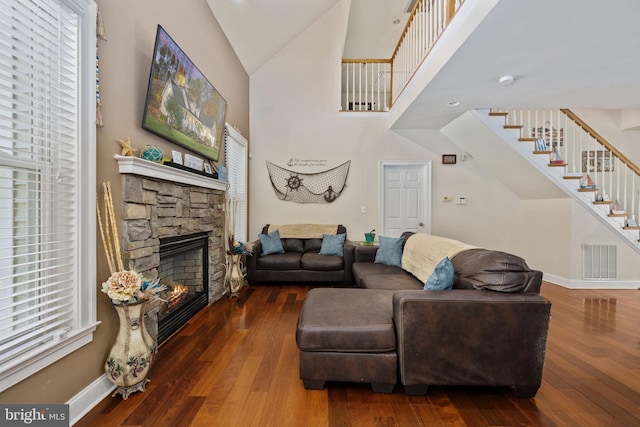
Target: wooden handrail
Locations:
point(450, 12)
point(601, 140)
point(406, 28)
point(367, 61)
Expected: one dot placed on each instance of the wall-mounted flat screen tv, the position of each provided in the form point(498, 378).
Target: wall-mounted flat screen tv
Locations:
point(182, 106)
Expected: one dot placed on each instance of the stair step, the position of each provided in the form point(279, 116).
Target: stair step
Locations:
point(574, 180)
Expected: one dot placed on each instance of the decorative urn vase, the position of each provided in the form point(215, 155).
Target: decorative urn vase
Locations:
point(130, 358)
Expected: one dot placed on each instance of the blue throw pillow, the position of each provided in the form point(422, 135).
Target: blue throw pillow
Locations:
point(390, 251)
point(333, 244)
point(442, 277)
point(271, 243)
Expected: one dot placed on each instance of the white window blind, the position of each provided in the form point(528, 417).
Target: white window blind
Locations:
point(236, 162)
point(45, 150)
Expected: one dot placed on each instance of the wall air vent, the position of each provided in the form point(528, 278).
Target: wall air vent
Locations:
point(599, 262)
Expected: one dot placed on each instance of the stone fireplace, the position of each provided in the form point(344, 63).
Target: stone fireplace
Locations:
point(163, 206)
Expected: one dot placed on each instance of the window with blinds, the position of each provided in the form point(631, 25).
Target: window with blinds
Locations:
point(47, 186)
point(236, 162)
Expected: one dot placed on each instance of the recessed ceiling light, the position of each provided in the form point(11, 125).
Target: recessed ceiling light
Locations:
point(396, 21)
point(506, 80)
point(453, 103)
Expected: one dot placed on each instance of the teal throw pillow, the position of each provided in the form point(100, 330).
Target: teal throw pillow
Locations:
point(271, 243)
point(390, 251)
point(442, 277)
point(333, 244)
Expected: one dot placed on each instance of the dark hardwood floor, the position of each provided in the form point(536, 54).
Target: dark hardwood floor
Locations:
point(236, 364)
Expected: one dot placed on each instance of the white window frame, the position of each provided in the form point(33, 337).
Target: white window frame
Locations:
point(47, 353)
point(234, 192)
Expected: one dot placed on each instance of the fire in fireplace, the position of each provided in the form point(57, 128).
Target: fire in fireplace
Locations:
point(184, 269)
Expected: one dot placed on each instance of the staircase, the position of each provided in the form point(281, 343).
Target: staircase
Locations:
point(578, 160)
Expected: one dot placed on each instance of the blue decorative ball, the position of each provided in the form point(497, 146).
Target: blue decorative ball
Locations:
point(151, 153)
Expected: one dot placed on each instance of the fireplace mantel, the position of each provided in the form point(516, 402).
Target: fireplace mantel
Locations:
point(137, 166)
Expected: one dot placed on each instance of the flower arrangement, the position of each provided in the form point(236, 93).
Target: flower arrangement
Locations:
point(128, 287)
point(123, 286)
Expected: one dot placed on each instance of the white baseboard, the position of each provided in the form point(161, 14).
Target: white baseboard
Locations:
point(90, 396)
point(591, 284)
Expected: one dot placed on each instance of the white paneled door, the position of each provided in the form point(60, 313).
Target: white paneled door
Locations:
point(406, 195)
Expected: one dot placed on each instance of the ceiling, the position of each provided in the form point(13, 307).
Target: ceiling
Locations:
point(258, 29)
point(563, 54)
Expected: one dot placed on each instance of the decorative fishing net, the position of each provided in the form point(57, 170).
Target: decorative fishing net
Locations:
point(319, 187)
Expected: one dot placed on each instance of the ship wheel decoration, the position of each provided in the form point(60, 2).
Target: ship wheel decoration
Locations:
point(298, 187)
point(294, 182)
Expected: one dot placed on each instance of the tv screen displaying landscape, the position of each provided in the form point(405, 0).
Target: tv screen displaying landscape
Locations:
point(182, 106)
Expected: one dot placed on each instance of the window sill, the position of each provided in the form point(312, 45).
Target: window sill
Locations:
point(28, 364)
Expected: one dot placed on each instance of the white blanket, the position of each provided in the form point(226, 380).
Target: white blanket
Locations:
point(422, 252)
point(304, 231)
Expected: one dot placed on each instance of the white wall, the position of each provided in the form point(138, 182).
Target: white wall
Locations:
point(294, 115)
point(547, 235)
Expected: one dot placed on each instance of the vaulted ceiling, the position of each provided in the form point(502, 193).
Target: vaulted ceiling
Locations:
point(569, 53)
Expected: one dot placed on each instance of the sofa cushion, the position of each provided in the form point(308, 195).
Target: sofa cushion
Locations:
point(333, 244)
point(363, 269)
point(442, 276)
point(312, 245)
point(346, 320)
point(271, 243)
point(493, 270)
point(284, 261)
point(293, 245)
point(390, 251)
point(315, 261)
point(394, 282)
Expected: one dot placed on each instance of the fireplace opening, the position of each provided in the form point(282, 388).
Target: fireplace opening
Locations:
point(184, 269)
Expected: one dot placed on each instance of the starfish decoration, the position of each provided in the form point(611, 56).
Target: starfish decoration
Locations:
point(127, 149)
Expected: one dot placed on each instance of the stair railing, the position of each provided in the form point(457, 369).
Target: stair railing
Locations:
point(366, 85)
point(570, 143)
point(428, 20)
point(374, 84)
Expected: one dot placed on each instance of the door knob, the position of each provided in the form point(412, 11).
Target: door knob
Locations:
point(421, 224)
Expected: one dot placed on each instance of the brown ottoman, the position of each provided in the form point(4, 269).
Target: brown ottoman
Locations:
point(348, 335)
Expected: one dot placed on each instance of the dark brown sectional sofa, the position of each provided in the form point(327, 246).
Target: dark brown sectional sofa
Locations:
point(489, 330)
